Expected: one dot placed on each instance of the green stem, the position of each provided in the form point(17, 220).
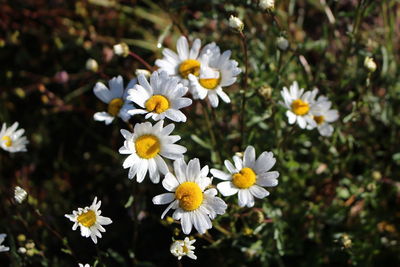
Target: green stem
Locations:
point(245, 85)
point(211, 132)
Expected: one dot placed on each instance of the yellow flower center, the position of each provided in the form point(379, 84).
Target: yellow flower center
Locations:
point(7, 140)
point(157, 104)
point(115, 106)
point(189, 195)
point(210, 83)
point(299, 107)
point(245, 178)
point(87, 219)
point(189, 66)
point(185, 249)
point(319, 119)
point(147, 146)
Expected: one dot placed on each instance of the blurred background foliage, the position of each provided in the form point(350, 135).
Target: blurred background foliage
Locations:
point(337, 201)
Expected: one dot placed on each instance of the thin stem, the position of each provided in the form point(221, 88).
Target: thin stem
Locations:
point(37, 213)
point(141, 60)
point(211, 132)
point(245, 85)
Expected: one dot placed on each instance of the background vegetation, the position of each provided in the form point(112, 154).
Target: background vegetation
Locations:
point(338, 197)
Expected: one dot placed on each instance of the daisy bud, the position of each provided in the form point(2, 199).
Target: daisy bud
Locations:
point(92, 65)
point(370, 64)
point(22, 250)
point(236, 23)
point(145, 72)
point(121, 49)
point(19, 194)
point(265, 91)
point(282, 43)
point(267, 4)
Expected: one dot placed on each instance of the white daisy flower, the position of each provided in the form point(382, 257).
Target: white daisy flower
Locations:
point(322, 116)
point(162, 97)
point(182, 64)
point(180, 248)
point(298, 104)
point(216, 71)
point(2, 247)
point(148, 145)
point(12, 140)
point(193, 203)
point(89, 220)
point(248, 176)
point(84, 265)
point(20, 194)
point(115, 98)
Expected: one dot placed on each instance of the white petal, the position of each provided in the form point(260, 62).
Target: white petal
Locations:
point(186, 223)
point(161, 165)
point(142, 170)
point(163, 199)
point(227, 188)
point(291, 116)
point(258, 191)
point(170, 182)
point(230, 167)
point(102, 92)
point(220, 174)
point(268, 179)
point(182, 47)
point(249, 157)
point(245, 198)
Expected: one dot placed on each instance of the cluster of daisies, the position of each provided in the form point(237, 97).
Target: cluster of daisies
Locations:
point(152, 150)
point(308, 111)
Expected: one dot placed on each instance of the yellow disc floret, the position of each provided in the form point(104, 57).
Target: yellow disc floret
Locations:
point(87, 219)
point(299, 107)
point(115, 106)
point(319, 119)
point(189, 66)
point(147, 146)
point(189, 195)
point(245, 178)
point(7, 140)
point(210, 84)
point(157, 104)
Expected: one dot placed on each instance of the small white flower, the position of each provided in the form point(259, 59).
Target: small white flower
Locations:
point(282, 43)
point(118, 105)
point(20, 194)
point(2, 247)
point(180, 248)
point(84, 265)
point(217, 71)
point(148, 145)
point(121, 49)
point(89, 220)
point(267, 4)
point(92, 65)
point(162, 97)
point(298, 104)
point(236, 23)
point(182, 64)
point(370, 64)
point(22, 250)
point(322, 116)
point(248, 176)
point(193, 203)
point(12, 140)
point(144, 72)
